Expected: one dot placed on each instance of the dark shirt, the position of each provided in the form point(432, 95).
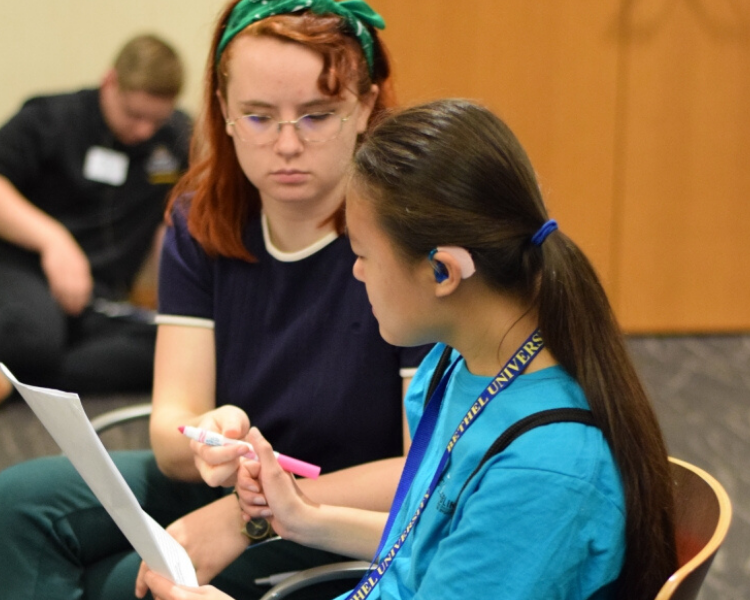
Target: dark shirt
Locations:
point(43, 149)
point(297, 346)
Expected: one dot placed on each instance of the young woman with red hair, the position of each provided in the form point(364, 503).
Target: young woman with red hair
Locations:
point(260, 319)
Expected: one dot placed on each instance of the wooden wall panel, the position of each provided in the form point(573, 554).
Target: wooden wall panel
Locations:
point(683, 211)
point(635, 114)
point(548, 68)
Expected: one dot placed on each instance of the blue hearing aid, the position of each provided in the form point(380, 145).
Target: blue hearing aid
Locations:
point(441, 273)
point(463, 257)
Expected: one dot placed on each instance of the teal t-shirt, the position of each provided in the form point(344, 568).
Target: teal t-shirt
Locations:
point(543, 519)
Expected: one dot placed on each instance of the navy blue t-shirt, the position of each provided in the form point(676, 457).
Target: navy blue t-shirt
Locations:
point(297, 346)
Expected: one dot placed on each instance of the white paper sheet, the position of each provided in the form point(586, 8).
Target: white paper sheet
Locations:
point(63, 416)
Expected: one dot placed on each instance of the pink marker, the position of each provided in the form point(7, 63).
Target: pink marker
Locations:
point(211, 438)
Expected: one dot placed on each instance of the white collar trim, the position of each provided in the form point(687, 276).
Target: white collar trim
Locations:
point(299, 254)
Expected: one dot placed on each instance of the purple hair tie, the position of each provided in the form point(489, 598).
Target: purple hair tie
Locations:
point(538, 238)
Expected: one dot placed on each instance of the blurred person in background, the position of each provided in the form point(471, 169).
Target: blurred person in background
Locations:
point(84, 178)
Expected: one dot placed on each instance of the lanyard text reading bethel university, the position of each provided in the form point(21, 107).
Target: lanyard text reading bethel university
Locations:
point(514, 367)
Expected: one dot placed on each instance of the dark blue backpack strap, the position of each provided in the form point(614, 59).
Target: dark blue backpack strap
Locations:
point(538, 419)
point(437, 374)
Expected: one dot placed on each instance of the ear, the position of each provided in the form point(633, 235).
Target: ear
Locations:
point(366, 105)
point(446, 273)
point(225, 113)
point(109, 80)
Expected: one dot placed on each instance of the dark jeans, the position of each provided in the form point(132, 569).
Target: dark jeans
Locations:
point(91, 353)
point(58, 543)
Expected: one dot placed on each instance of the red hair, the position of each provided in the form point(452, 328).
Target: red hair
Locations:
point(221, 198)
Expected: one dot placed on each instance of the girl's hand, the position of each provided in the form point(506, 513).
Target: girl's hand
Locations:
point(265, 490)
point(218, 464)
point(211, 537)
point(163, 589)
point(248, 489)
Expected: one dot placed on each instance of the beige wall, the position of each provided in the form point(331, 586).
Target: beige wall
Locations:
point(59, 45)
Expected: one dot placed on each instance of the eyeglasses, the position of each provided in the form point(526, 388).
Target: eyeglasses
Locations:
point(314, 127)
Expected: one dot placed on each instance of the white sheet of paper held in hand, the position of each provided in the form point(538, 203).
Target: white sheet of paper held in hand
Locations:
point(63, 416)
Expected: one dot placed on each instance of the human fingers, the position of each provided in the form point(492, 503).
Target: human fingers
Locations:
point(140, 584)
point(248, 475)
point(68, 273)
point(218, 464)
point(249, 493)
point(264, 451)
point(163, 589)
point(218, 468)
point(218, 455)
point(286, 504)
point(229, 420)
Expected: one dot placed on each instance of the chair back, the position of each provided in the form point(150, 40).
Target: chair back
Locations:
point(120, 416)
point(703, 512)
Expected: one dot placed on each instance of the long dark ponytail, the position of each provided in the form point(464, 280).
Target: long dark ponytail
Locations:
point(452, 173)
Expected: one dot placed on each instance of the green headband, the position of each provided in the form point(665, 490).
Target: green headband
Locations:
point(356, 13)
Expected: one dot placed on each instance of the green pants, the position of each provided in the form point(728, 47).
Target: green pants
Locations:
point(57, 542)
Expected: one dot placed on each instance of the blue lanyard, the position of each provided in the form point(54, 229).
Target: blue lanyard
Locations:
point(514, 367)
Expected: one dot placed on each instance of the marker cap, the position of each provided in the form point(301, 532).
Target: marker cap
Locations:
point(298, 467)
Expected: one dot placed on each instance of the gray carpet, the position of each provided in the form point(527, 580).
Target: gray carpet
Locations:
point(701, 390)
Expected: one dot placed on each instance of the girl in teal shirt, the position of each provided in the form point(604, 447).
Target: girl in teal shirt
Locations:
point(454, 245)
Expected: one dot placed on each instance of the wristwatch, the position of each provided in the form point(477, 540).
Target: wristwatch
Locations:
point(256, 529)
